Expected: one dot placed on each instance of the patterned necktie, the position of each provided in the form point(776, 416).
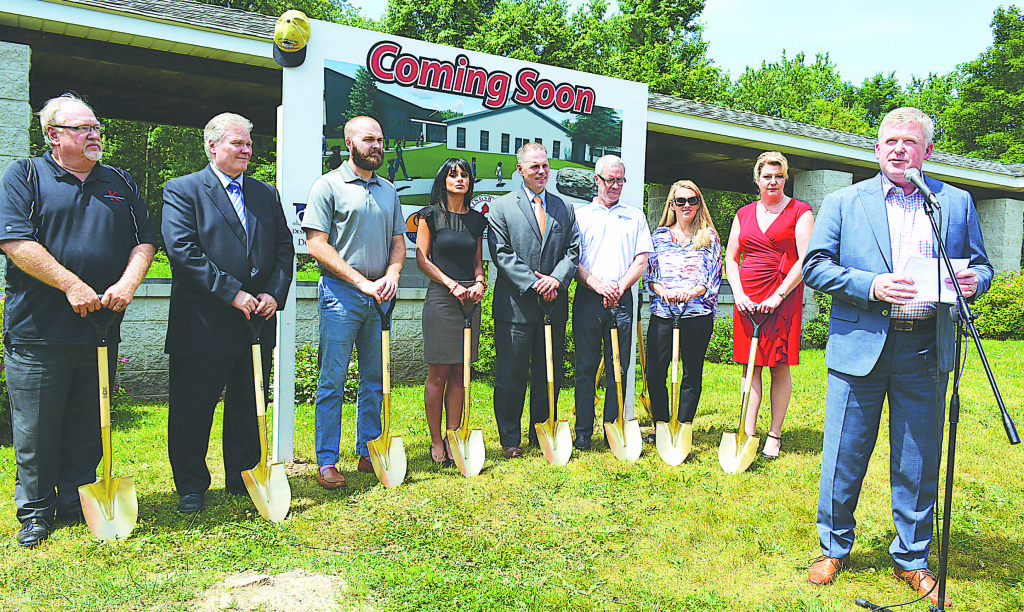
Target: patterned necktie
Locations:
point(538, 209)
point(235, 193)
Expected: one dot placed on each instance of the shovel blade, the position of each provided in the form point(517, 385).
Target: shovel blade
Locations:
point(735, 455)
point(388, 458)
point(626, 442)
point(673, 443)
point(557, 444)
point(469, 454)
point(110, 507)
point(269, 489)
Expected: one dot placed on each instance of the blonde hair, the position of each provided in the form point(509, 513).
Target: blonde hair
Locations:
point(909, 114)
point(703, 226)
point(771, 158)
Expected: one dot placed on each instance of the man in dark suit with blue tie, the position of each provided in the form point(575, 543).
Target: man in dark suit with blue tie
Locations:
point(536, 248)
point(231, 254)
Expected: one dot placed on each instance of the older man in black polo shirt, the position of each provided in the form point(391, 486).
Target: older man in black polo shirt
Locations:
point(78, 239)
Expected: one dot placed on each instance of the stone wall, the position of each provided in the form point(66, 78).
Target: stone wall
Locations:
point(15, 112)
point(145, 328)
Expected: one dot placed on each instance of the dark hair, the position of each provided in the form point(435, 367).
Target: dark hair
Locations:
point(439, 191)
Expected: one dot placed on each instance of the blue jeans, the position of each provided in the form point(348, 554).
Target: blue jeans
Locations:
point(905, 375)
point(347, 318)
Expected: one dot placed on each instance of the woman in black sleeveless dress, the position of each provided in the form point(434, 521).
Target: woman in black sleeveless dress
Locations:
point(449, 252)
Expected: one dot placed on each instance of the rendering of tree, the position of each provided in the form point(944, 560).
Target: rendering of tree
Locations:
point(362, 99)
point(603, 128)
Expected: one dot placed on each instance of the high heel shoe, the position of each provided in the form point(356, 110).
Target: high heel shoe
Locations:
point(773, 437)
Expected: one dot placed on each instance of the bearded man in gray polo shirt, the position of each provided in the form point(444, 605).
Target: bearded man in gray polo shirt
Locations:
point(354, 230)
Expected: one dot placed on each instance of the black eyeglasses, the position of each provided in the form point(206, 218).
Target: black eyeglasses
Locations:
point(692, 201)
point(83, 129)
point(611, 181)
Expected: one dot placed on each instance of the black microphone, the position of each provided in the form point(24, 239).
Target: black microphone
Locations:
point(860, 601)
point(914, 176)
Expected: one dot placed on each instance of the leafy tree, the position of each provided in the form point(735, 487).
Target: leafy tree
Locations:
point(788, 88)
point(362, 98)
point(878, 95)
point(985, 120)
point(659, 42)
point(448, 22)
point(935, 96)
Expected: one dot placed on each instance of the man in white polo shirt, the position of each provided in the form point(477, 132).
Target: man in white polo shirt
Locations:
point(615, 242)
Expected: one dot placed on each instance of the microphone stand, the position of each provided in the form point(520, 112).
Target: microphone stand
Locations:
point(964, 318)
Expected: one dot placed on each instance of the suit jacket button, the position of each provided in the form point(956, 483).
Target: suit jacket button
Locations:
point(885, 313)
point(254, 271)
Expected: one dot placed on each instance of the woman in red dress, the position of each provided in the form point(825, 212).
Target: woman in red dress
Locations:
point(766, 249)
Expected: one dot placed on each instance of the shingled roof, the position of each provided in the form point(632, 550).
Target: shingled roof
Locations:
point(188, 13)
point(763, 122)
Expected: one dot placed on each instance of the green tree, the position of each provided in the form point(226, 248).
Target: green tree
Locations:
point(878, 95)
point(985, 120)
point(362, 98)
point(935, 95)
point(448, 22)
point(792, 89)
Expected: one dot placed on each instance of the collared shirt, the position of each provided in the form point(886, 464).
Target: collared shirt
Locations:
point(361, 217)
point(910, 235)
point(611, 238)
point(680, 266)
point(225, 180)
point(89, 227)
point(543, 197)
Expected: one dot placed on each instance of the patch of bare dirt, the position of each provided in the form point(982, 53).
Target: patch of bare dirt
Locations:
point(292, 591)
point(299, 466)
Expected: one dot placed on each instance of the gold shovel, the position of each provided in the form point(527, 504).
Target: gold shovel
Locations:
point(387, 453)
point(554, 436)
point(110, 505)
point(623, 436)
point(467, 444)
point(267, 482)
point(673, 438)
point(737, 450)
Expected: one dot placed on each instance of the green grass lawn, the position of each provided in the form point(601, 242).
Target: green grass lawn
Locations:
point(593, 535)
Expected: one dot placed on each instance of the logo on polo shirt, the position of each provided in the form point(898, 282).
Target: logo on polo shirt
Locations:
point(112, 195)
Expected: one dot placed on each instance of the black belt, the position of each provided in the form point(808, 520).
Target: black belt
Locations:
point(912, 325)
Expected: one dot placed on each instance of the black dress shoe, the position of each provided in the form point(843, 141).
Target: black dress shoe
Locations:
point(191, 503)
point(581, 444)
point(33, 531)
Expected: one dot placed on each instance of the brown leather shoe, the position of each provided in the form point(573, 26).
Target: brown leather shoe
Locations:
point(330, 477)
point(824, 569)
point(364, 465)
point(511, 452)
point(923, 581)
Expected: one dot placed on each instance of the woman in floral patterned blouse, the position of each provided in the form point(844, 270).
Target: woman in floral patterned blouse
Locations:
point(684, 274)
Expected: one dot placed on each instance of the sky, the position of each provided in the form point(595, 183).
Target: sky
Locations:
point(912, 38)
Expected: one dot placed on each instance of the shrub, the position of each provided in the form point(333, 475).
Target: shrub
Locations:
point(1000, 310)
point(720, 347)
point(307, 375)
point(816, 330)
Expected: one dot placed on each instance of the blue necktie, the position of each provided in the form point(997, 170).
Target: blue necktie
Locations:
point(235, 194)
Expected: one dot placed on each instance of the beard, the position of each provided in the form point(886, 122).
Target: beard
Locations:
point(93, 156)
point(370, 162)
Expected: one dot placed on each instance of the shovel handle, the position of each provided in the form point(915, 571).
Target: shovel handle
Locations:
point(385, 315)
point(102, 320)
point(546, 307)
point(550, 367)
point(618, 367)
point(385, 342)
point(748, 379)
point(261, 405)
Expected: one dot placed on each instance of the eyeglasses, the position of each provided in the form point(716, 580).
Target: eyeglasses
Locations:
point(691, 201)
point(84, 129)
point(612, 181)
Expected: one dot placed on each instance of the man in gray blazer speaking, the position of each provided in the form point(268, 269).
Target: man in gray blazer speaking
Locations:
point(536, 248)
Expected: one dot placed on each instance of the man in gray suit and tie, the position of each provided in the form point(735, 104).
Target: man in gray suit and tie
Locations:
point(885, 344)
point(536, 248)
